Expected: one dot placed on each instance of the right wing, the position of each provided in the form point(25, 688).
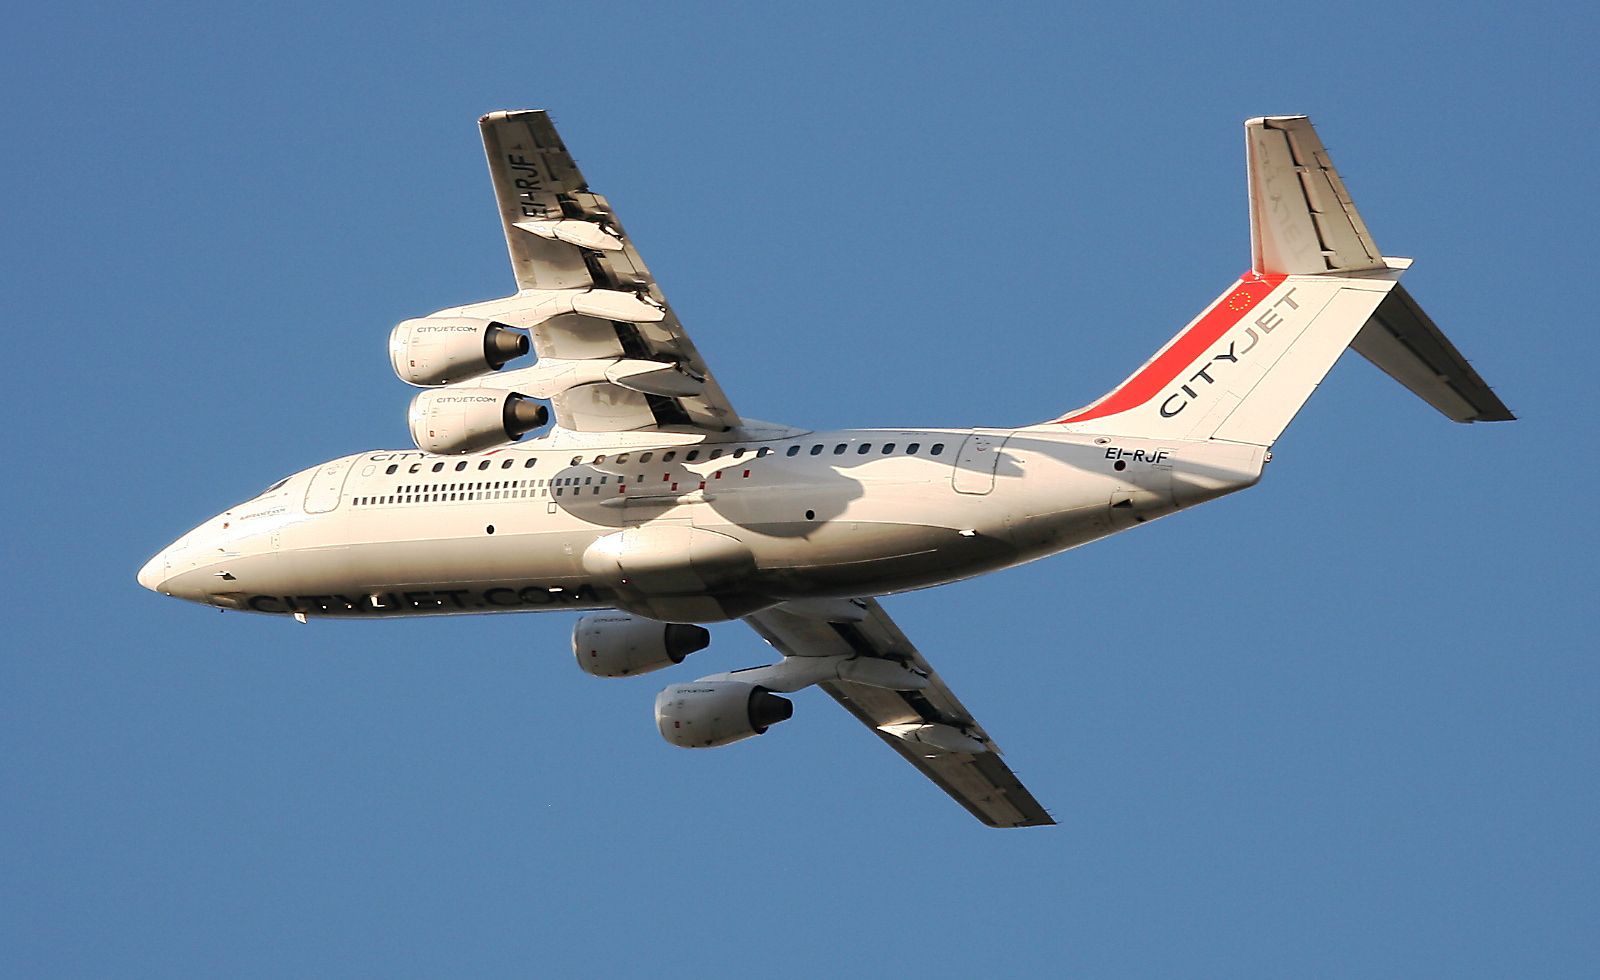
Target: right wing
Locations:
point(930, 728)
point(612, 354)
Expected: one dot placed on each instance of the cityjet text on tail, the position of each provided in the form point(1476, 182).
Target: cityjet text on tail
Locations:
point(611, 476)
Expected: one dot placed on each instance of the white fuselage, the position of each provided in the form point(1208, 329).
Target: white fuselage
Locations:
point(688, 530)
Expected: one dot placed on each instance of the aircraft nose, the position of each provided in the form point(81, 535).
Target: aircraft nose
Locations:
point(154, 572)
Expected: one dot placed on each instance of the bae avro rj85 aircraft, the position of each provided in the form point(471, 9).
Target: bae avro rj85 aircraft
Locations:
point(652, 501)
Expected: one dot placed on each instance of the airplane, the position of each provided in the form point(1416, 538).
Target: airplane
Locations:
point(654, 507)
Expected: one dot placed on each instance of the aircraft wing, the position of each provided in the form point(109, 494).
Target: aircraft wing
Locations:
point(612, 354)
point(930, 728)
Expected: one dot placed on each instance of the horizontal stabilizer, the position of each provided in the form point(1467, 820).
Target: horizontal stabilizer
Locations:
point(1403, 341)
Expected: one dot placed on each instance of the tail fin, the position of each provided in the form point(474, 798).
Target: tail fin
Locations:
point(1302, 221)
point(1241, 370)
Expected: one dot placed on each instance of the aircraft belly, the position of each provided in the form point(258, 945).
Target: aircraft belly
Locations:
point(870, 558)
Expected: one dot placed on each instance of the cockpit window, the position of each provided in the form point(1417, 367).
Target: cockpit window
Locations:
point(273, 487)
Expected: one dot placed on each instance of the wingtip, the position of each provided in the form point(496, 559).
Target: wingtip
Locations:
point(1258, 121)
point(500, 115)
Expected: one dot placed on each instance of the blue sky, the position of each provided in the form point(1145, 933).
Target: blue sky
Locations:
point(1341, 725)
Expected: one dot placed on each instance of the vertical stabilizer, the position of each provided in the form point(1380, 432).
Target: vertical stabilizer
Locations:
point(1241, 369)
point(1318, 283)
point(1302, 220)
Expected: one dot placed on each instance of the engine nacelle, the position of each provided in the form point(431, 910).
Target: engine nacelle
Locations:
point(615, 644)
point(450, 421)
point(701, 714)
point(431, 351)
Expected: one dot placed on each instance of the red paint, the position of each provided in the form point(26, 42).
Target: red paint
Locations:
point(1251, 289)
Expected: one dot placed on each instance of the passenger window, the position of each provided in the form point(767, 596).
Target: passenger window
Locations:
point(461, 466)
point(529, 464)
point(817, 449)
point(392, 468)
point(668, 457)
point(483, 465)
point(912, 449)
point(414, 467)
point(738, 452)
point(645, 457)
point(694, 454)
point(623, 458)
point(793, 451)
point(888, 448)
point(715, 453)
point(864, 448)
point(598, 460)
point(839, 449)
point(765, 451)
point(437, 467)
point(577, 461)
point(507, 464)
point(938, 448)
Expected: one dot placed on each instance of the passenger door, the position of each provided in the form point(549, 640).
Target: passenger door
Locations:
point(976, 461)
point(327, 486)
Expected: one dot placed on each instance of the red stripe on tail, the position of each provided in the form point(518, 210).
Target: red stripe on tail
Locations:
point(1223, 316)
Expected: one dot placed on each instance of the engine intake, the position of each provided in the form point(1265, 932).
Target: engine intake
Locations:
point(617, 644)
point(432, 351)
point(702, 714)
point(451, 421)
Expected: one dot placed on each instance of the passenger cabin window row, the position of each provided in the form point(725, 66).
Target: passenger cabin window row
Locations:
point(438, 467)
point(887, 449)
point(431, 493)
point(559, 486)
point(672, 455)
point(694, 455)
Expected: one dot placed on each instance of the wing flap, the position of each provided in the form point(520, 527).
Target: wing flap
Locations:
point(980, 781)
point(583, 289)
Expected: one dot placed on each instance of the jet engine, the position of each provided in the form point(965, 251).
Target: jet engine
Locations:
point(616, 644)
point(450, 421)
point(431, 351)
point(701, 714)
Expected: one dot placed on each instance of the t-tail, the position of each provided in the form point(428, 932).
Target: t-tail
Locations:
point(1317, 284)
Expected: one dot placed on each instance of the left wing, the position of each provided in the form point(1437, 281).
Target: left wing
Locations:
point(612, 354)
point(930, 728)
